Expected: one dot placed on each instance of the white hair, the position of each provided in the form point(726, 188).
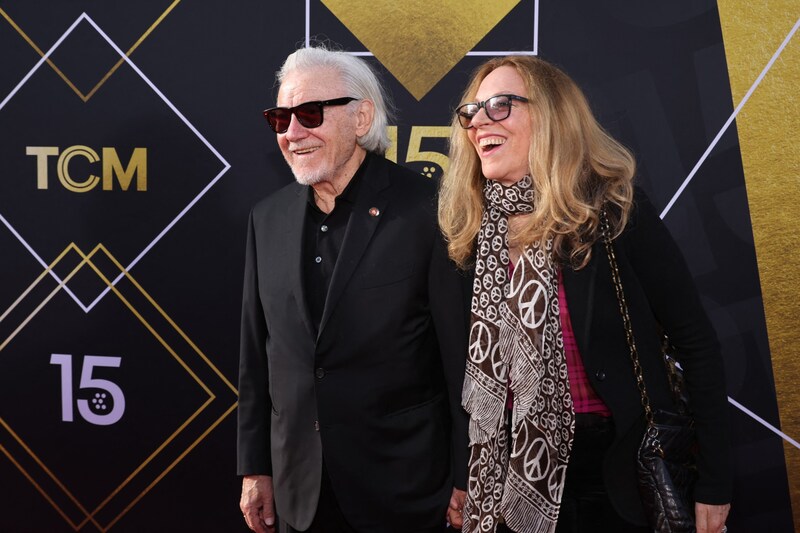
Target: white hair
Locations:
point(359, 79)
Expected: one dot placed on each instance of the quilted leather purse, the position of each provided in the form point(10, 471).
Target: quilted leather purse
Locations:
point(665, 459)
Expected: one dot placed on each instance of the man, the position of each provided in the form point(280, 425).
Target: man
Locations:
point(353, 325)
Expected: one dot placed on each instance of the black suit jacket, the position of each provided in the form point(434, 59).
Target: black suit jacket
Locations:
point(377, 391)
point(659, 290)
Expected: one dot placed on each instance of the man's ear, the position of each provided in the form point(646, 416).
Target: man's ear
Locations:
point(365, 114)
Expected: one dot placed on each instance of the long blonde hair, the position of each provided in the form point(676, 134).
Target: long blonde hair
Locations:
point(576, 167)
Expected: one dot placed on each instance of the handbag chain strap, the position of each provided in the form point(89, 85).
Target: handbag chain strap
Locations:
point(626, 319)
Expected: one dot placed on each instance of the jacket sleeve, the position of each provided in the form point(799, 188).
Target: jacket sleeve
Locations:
point(669, 287)
point(450, 310)
point(253, 430)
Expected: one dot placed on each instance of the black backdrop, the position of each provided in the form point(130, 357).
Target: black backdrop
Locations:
point(163, 340)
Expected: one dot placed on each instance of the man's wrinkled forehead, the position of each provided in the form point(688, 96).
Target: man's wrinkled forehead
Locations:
point(305, 85)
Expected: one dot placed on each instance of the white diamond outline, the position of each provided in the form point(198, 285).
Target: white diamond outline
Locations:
point(691, 175)
point(685, 183)
point(664, 213)
point(730, 120)
point(226, 166)
point(534, 52)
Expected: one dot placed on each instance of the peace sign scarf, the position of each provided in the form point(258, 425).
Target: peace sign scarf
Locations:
point(515, 343)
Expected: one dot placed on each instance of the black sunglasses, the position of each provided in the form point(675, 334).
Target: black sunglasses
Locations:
point(309, 114)
point(497, 108)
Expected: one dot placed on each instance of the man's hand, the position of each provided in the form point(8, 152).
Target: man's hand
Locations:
point(257, 503)
point(711, 518)
point(454, 511)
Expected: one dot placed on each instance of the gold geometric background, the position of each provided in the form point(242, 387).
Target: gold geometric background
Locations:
point(769, 134)
point(221, 400)
point(437, 34)
point(85, 97)
point(768, 128)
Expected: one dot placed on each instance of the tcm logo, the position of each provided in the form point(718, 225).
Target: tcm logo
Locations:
point(135, 170)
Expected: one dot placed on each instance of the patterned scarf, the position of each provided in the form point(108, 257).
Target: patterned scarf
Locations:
point(515, 342)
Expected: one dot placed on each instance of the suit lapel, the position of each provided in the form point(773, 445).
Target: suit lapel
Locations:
point(296, 217)
point(361, 227)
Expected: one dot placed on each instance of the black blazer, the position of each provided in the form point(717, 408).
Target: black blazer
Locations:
point(659, 290)
point(377, 391)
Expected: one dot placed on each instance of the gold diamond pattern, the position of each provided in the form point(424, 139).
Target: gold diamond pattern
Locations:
point(420, 41)
point(111, 71)
point(192, 431)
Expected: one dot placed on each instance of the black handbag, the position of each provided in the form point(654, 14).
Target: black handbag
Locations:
point(665, 461)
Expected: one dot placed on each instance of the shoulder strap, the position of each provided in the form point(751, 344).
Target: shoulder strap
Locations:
point(626, 319)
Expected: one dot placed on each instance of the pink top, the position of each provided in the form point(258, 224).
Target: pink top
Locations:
point(584, 397)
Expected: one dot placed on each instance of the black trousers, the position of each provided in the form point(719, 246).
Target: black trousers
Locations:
point(585, 507)
point(329, 517)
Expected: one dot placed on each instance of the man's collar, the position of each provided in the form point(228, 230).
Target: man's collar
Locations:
point(348, 195)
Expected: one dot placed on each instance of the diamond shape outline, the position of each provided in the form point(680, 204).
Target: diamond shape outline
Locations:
point(112, 70)
point(86, 261)
point(683, 185)
point(679, 191)
point(226, 166)
point(533, 52)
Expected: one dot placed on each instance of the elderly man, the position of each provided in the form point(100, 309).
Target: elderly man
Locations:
point(353, 325)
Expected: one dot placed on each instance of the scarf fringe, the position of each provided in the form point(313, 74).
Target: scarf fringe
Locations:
point(527, 369)
point(526, 378)
point(485, 411)
point(529, 523)
point(517, 515)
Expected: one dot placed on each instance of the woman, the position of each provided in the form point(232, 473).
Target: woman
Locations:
point(555, 413)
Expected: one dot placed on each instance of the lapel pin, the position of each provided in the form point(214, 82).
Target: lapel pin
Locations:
point(374, 211)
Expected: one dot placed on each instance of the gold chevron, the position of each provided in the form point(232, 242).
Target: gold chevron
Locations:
point(90, 516)
point(111, 71)
point(420, 41)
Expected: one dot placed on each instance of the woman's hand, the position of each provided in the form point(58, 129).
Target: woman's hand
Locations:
point(711, 518)
point(456, 508)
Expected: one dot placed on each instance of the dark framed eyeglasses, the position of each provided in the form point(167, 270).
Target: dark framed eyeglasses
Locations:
point(497, 108)
point(309, 114)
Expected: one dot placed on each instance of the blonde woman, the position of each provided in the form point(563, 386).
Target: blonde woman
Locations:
point(555, 412)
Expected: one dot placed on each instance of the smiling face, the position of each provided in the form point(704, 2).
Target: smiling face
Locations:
point(502, 146)
point(329, 152)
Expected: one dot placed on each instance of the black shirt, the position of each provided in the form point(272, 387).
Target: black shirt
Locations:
point(322, 241)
